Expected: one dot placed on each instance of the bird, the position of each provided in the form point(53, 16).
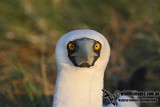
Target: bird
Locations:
point(82, 57)
point(134, 83)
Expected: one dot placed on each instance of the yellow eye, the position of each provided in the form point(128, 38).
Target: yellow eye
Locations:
point(71, 46)
point(97, 46)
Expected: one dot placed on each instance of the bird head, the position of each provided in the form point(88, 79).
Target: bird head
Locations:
point(83, 49)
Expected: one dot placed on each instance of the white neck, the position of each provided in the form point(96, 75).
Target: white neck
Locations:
point(80, 88)
point(76, 86)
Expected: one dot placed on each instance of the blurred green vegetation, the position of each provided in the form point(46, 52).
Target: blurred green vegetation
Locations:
point(29, 30)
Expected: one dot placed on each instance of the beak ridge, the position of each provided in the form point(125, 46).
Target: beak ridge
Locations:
point(85, 54)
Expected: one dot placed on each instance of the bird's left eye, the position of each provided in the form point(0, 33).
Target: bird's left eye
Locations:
point(97, 46)
point(71, 46)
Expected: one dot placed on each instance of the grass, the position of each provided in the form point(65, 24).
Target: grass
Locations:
point(29, 31)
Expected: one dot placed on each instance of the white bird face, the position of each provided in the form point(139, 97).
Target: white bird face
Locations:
point(82, 49)
point(84, 52)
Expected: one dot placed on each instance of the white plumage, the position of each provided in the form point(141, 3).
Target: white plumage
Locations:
point(76, 86)
point(80, 86)
point(123, 104)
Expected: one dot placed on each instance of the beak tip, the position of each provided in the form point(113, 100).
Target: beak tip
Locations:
point(85, 65)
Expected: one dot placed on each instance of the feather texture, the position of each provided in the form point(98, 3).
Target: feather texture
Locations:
point(76, 86)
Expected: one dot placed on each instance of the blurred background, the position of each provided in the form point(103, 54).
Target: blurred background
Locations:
point(30, 29)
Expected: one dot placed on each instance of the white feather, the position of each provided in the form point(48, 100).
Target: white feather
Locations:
point(123, 104)
point(75, 86)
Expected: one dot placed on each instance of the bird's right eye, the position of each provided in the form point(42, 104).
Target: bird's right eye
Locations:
point(71, 46)
point(97, 46)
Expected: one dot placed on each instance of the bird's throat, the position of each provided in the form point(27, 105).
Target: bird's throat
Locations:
point(78, 88)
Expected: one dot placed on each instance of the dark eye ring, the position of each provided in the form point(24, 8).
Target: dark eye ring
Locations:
point(97, 46)
point(71, 46)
